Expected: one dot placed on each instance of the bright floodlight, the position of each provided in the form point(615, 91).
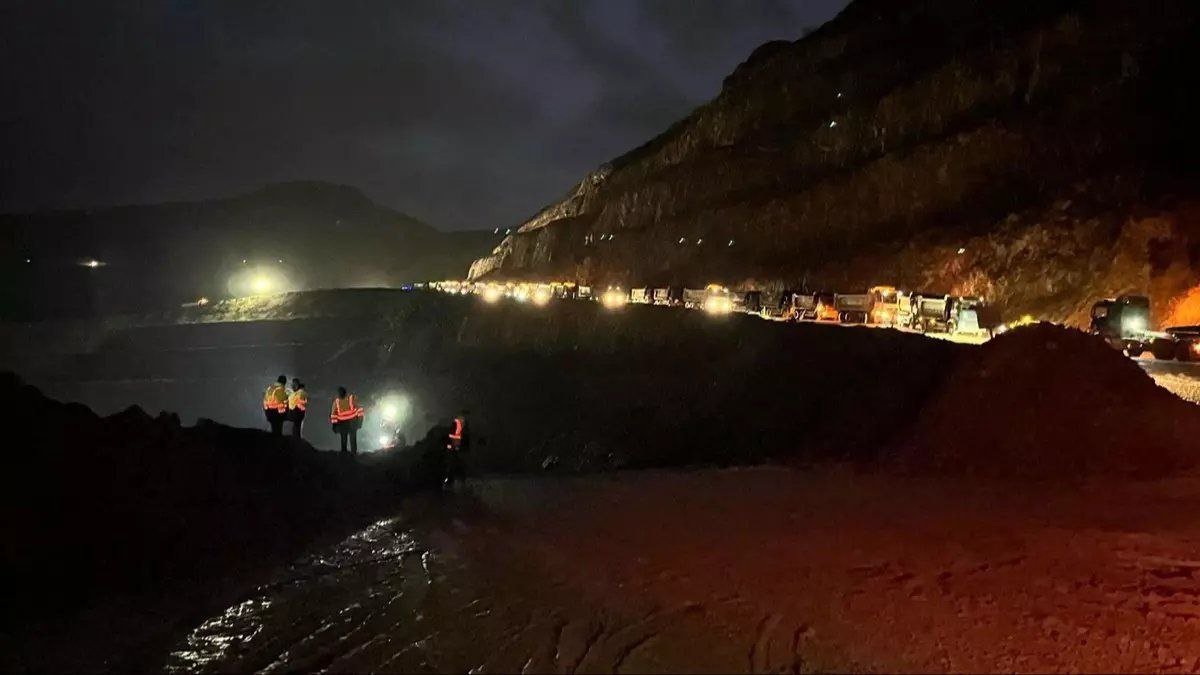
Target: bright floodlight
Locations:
point(541, 296)
point(92, 263)
point(492, 293)
point(258, 280)
point(384, 440)
point(393, 408)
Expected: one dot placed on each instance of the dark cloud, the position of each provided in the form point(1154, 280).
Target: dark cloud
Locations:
point(461, 112)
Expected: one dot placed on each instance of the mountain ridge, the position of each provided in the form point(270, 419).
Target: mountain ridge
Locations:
point(928, 123)
point(155, 256)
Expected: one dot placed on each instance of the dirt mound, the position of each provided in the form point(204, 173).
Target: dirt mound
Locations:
point(1052, 402)
point(143, 509)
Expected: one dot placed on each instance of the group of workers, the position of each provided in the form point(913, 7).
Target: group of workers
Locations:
point(281, 404)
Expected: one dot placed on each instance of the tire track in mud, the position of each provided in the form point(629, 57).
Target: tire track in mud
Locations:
point(325, 607)
point(385, 600)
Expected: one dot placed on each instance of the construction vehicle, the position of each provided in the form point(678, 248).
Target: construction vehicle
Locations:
point(693, 298)
point(930, 312)
point(826, 306)
point(800, 307)
point(1187, 342)
point(974, 317)
point(662, 296)
point(852, 307)
point(614, 297)
point(781, 307)
point(885, 305)
point(642, 296)
point(1124, 322)
point(750, 302)
point(717, 300)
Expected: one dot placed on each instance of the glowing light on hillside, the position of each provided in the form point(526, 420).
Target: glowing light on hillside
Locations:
point(262, 280)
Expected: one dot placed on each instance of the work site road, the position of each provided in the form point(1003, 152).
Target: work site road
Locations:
point(1180, 378)
point(752, 570)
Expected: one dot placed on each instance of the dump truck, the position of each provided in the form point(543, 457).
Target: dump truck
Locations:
point(693, 298)
point(885, 305)
point(801, 307)
point(1124, 322)
point(781, 306)
point(974, 317)
point(1187, 342)
point(826, 306)
point(717, 300)
point(750, 302)
point(642, 296)
point(852, 307)
point(930, 312)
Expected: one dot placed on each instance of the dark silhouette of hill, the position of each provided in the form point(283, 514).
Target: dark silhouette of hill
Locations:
point(162, 255)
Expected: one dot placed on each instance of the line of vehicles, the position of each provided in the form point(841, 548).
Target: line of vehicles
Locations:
point(1123, 321)
point(879, 305)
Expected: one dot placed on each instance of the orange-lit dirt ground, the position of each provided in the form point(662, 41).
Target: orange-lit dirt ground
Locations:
point(756, 569)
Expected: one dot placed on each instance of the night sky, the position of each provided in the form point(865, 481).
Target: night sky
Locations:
point(466, 114)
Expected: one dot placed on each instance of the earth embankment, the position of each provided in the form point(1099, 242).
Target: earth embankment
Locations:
point(571, 386)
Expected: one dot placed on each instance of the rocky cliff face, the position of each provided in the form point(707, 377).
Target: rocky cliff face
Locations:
point(1038, 154)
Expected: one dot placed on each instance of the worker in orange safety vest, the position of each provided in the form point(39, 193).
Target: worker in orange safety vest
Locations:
point(457, 443)
point(297, 406)
point(275, 404)
point(346, 416)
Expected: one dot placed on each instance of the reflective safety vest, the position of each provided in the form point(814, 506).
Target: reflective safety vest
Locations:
point(345, 409)
point(298, 400)
point(275, 398)
point(457, 434)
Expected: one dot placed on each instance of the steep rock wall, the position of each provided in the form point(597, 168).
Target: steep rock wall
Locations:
point(898, 131)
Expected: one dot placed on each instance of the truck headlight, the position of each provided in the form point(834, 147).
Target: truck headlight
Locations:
point(1135, 323)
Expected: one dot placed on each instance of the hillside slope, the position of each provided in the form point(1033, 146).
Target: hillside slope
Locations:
point(1034, 153)
point(161, 255)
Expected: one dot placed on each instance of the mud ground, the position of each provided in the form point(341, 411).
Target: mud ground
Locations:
point(751, 570)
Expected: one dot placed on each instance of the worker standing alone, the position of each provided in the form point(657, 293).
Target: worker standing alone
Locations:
point(297, 406)
point(346, 416)
point(275, 405)
point(457, 443)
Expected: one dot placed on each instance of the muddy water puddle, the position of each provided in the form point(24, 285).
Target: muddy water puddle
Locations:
point(447, 593)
